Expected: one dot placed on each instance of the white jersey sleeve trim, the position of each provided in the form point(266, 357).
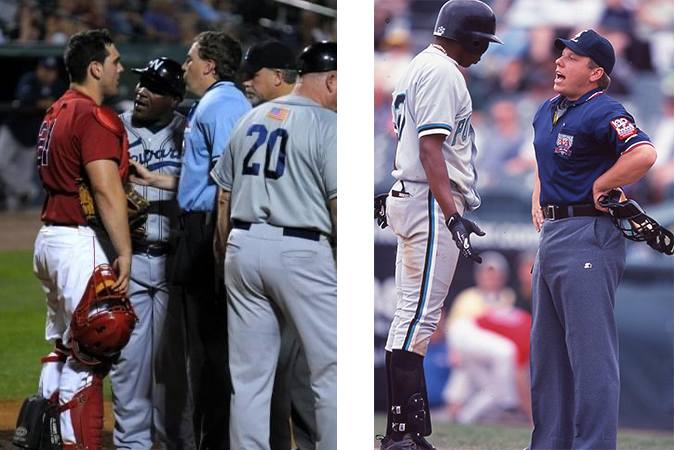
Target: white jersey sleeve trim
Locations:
point(437, 130)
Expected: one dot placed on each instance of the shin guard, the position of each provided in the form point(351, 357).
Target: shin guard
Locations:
point(86, 415)
point(409, 418)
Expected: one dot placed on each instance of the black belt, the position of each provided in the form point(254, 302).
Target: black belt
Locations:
point(555, 212)
point(303, 233)
point(69, 225)
point(152, 248)
point(402, 193)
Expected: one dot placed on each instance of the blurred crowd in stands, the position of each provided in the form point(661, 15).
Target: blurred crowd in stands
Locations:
point(513, 79)
point(162, 21)
point(36, 23)
point(477, 365)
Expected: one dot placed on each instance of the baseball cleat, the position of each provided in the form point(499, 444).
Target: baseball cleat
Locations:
point(385, 441)
point(407, 443)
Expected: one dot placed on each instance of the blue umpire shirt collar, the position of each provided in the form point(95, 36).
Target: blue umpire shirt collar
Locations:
point(584, 98)
point(194, 105)
point(555, 101)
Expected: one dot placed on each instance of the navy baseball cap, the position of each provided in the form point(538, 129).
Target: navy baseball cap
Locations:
point(270, 54)
point(591, 44)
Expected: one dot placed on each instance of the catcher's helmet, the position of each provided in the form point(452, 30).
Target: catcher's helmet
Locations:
point(318, 57)
point(163, 76)
point(469, 22)
point(103, 320)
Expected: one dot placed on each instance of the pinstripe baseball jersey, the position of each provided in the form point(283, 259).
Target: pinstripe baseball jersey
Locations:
point(432, 98)
point(159, 151)
point(281, 165)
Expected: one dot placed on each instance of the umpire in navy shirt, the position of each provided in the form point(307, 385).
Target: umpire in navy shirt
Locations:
point(586, 144)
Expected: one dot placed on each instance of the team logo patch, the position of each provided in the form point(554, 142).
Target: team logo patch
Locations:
point(277, 113)
point(563, 145)
point(440, 30)
point(624, 127)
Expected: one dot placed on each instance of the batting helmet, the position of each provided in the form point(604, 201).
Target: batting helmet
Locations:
point(103, 320)
point(163, 76)
point(469, 22)
point(318, 57)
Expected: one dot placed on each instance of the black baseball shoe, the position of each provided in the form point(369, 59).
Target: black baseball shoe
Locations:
point(385, 441)
point(407, 443)
point(423, 444)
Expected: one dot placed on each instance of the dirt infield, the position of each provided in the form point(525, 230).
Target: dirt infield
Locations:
point(19, 229)
point(9, 410)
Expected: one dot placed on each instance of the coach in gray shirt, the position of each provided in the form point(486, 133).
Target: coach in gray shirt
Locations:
point(278, 214)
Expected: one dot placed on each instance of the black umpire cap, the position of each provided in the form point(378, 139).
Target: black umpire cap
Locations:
point(163, 76)
point(270, 54)
point(318, 57)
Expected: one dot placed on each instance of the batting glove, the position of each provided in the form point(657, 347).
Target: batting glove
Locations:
point(461, 228)
point(381, 210)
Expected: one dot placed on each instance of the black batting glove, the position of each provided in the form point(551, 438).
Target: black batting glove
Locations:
point(381, 210)
point(461, 228)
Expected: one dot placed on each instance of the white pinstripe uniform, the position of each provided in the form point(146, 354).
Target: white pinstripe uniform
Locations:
point(430, 98)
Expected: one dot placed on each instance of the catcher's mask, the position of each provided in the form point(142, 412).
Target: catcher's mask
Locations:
point(103, 320)
point(629, 217)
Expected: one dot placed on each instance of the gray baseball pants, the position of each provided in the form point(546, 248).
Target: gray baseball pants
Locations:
point(574, 352)
point(271, 277)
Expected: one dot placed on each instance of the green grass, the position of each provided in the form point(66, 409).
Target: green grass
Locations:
point(495, 437)
point(22, 321)
point(22, 327)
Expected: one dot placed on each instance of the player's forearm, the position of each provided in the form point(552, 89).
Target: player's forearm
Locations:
point(536, 192)
point(628, 169)
point(222, 223)
point(164, 181)
point(434, 166)
point(112, 206)
point(111, 203)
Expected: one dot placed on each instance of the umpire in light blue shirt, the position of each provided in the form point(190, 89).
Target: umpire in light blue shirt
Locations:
point(210, 67)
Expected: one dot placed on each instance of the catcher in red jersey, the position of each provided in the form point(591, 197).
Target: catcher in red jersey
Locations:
point(81, 142)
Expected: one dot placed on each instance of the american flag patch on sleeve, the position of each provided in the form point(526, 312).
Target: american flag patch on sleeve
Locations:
point(277, 113)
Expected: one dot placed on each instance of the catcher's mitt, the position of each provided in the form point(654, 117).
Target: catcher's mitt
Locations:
point(634, 223)
point(137, 210)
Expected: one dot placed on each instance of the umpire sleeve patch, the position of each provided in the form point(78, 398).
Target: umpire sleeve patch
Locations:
point(624, 127)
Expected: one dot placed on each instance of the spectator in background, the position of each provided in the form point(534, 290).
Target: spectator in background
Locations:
point(27, 22)
point(35, 92)
point(436, 365)
point(525, 263)
point(162, 20)
point(660, 178)
point(502, 139)
point(484, 361)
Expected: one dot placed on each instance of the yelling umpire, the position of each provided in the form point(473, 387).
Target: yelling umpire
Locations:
point(586, 144)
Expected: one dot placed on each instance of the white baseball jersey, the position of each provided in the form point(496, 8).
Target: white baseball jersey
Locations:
point(159, 151)
point(288, 173)
point(432, 98)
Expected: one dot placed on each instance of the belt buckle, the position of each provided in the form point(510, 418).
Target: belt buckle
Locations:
point(551, 212)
